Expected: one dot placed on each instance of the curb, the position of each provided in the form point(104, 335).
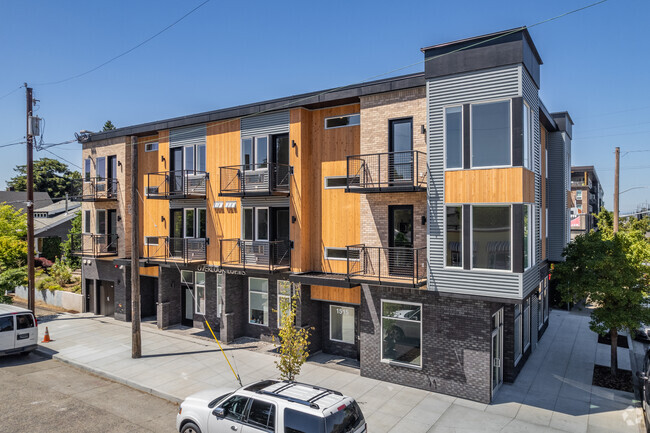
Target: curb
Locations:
point(103, 374)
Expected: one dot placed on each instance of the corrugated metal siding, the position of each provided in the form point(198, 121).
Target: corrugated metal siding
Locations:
point(273, 123)
point(187, 202)
point(265, 201)
point(531, 280)
point(187, 136)
point(483, 85)
point(558, 224)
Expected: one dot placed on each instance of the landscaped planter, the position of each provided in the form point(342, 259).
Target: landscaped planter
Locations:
point(56, 298)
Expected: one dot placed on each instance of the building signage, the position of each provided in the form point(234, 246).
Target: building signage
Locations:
point(218, 270)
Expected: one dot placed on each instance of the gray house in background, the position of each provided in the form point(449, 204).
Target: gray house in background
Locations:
point(18, 199)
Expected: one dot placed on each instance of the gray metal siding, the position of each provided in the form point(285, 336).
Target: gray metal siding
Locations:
point(558, 179)
point(187, 136)
point(187, 203)
point(273, 123)
point(531, 280)
point(499, 83)
point(265, 202)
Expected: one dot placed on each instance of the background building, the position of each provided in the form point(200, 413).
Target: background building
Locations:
point(587, 197)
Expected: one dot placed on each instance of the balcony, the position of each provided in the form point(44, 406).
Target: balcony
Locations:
point(392, 266)
point(96, 189)
point(387, 172)
point(273, 256)
point(255, 180)
point(164, 249)
point(176, 184)
point(91, 245)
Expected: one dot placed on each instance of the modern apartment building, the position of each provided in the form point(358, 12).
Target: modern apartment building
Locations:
point(416, 215)
point(587, 197)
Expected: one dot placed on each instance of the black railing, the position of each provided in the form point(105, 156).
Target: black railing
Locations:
point(95, 189)
point(92, 245)
point(177, 184)
point(387, 172)
point(387, 265)
point(166, 249)
point(271, 256)
point(255, 179)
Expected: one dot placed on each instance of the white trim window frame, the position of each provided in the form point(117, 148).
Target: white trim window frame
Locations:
point(354, 120)
point(471, 135)
point(151, 147)
point(254, 163)
point(462, 136)
point(264, 297)
point(343, 312)
point(526, 334)
point(381, 341)
point(327, 250)
point(148, 240)
point(221, 285)
point(199, 293)
point(327, 178)
point(283, 294)
point(518, 334)
point(471, 235)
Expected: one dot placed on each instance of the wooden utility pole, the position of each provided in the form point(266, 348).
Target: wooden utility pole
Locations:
point(136, 340)
point(30, 205)
point(616, 176)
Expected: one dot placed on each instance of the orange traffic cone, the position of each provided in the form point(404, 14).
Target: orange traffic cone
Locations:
point(46, 338)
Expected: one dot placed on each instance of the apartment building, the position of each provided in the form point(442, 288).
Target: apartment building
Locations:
point(416, 216)
point(587, 198)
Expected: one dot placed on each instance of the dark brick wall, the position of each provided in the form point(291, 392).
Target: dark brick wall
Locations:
point(105, 270)
point(309, 315)
point(169, 294)
point(337, 347)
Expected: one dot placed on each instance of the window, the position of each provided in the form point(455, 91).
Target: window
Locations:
point(221, 285)
point(87, 169)
point(526, 324)
point(540, 307)
point(302, 422)
point(101, 168)
point(401, 331)
point(528, 132)
point(255, 152)
point(151, 240)
point(101, 221)
point(262, 223)
point(333, 182)
point(24, 321)
point(6, 323)
point(579, 194)
point(490, 132)
point(342, 324)
point(546, 299)
point(546, 163)
point(200, 157)
point(199, 292)
point(341, 254)
point(262, 415)
point(529, 236)
point(342, 121)
point(454, 224)
point(517, 333)
point(189, 223)
point(201, 223)
point(454, 137)
point(151, 147)
point(248, 224)
point(284, 298)
point(187, 277)
point(258, 301)
point(87, 221)
point(234, 407)
point(491, 230)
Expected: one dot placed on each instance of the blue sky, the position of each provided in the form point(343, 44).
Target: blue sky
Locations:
point(230, 53)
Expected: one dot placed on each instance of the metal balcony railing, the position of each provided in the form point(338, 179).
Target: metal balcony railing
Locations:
point(177, 184)
point(387, 172)
point(255, 179)
point(95, 189)
point(387, 265)
point(261, 255)
point(92, 245)
point(183, 250)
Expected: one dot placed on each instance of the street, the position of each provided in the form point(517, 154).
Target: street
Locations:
point(44, 395)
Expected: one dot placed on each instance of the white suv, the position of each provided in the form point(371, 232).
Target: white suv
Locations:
point(270, 406)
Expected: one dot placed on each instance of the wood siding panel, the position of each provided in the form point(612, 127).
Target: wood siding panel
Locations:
point(499, 185)
point(149, 271)
point(337, 294)
point(151, 210)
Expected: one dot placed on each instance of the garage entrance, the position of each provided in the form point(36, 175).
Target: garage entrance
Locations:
point(148, 296)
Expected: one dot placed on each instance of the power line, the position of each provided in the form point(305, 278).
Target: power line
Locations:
point(125, 52)
point(11, 93)
point(13, 144)
point(62, 158)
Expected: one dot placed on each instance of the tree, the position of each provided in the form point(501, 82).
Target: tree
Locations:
point(50, 175)
point(13, 250)
point(69, 245)
point(108, 126)
point(294, 341)
point(610, 270)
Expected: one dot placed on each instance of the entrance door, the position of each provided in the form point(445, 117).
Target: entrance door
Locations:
point(280, 155)
point(90, 286)
point(176, 166)
point(400, 145)
point(106, 298)
point(497, 350)
point(111, 223)
point(280, 231)
point(187, 315)
point(400, 239)
point(111, 175)
point(177, 233)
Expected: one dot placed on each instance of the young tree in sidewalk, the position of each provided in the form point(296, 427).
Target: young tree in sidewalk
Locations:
point(610, 270)
point(294, 340)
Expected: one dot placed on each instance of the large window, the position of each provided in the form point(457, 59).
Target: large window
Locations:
point(454, 137)
point(221, 285)
point(401, 331)
point(526, 324)
point(528, 134)
point(454, 224)
point(255, 152)
point(491, 228)
point(342, 324)
point(258, 301)
point(284, 298)
point(529, 236)
point(199, 292)
point(517, 333)
point(490, 134)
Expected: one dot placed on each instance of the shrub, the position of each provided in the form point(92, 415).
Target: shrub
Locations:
point(43, 262)
point(61, 272)
point(48, 283)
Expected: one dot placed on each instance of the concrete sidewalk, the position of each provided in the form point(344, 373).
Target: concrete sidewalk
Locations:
point(552, 393)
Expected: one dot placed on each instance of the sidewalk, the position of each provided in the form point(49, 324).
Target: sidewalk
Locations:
point(552, 393)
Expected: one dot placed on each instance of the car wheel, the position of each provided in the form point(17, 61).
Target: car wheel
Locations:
point(190, 427)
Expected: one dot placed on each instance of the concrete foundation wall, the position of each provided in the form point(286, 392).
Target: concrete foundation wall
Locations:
point(57, 298)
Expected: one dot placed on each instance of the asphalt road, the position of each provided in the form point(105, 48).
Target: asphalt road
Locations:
point(44, 395)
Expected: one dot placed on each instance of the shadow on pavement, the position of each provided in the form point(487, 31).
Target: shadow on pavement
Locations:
point(159, 355)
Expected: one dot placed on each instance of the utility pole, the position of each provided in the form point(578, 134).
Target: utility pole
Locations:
point(136, 340)
point(30, 205)
point(616, 175)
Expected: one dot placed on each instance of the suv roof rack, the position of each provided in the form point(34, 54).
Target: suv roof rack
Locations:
point(311, 402)
point(291, 399)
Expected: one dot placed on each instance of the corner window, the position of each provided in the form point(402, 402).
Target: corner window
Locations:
point(491, 234)
point(517, 333)
point(401, 331)
point(528, 134)
point(490, 134)
point(258, 301)
point(454, 137)
point(221, 285)
point(342, 121)
point(199, 292)
point(284, 298)
point(342, 324)
point(454, 227)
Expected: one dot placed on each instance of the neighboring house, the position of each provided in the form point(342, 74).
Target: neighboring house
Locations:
point(54, 221)
point(587, 197)
point(18, 199)
point(417, 215)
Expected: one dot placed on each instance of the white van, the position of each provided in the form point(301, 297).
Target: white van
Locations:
point(18, 330)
